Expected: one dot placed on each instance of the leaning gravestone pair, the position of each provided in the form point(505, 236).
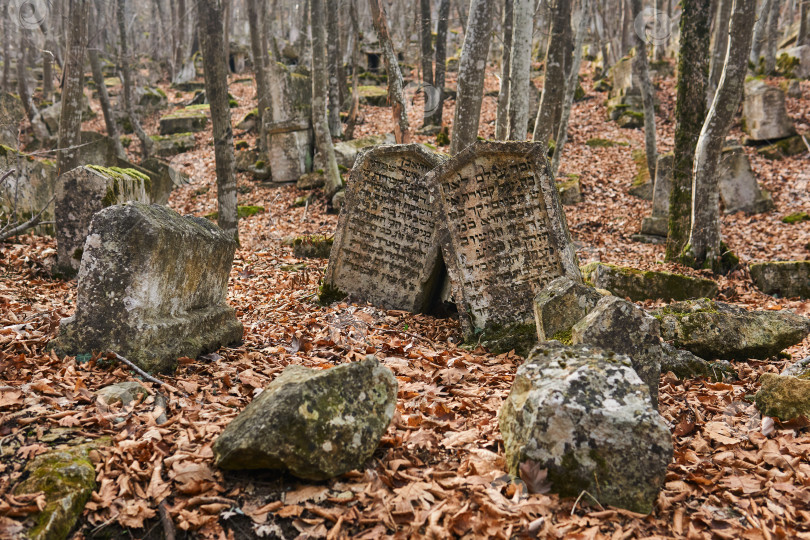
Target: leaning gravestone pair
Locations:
point(491, 215)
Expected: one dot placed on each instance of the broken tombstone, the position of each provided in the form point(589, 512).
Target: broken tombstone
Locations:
point(189, 120)
point(738, 185)
point(560, 305)
point(640, 285)
point(785, 279)
point(657, 225)
point(764, 113)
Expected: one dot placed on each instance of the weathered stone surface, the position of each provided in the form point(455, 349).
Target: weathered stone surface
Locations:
point(764, 113)
point(386, 250)
point(123, 393)
point(802, 56)
point(657, 224)
point(317, 424)
point(31, 187)
point(560, 305)
point(686, 365)
point(184, 121)
point(783, 397)
point(643, 184)
point(176, 143)
point(619, 326)
point(716, 330)
point(68, 478)
point(152, 99)
point(584, 415)
point(314, 246)
point(244, 159)
point(570, 190)
point(504, 236)
point(164, 179)
point(152, 287)
point(11, 114)
point(792, 88)
point(738, 185)
point(81, 193)
point(346, 152)
point(376, 96)
point(792, 146)
point(800, 369)
point(51, 116)
point(785, 279)
point(289, 149)
point(338, 199)
point(311, 180)
point(639, 285)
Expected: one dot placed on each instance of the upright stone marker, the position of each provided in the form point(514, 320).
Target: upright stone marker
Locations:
point(504, 235)
point(738, 185)
point(658, 223)
point(152, 287)
point(386, 249)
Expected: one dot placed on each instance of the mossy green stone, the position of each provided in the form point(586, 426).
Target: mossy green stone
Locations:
point(783, 397)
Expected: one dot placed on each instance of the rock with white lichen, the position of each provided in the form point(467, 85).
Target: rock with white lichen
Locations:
point(317, 424)
point(785, 279)
point(583, 415)
point(560, 305)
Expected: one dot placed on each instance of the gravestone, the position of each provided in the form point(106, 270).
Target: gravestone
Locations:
point(385, 250)
point(503, 233)
point(738, 185)
point(151, 287)
point(82, 192)
point(764, 113)
point(29, 189)
point(290, 138)
point(657, 224)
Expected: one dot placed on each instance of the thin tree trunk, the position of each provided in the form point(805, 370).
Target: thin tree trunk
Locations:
point(502, 118)
point(319, 120)
point(441, 54)
point(103, 96)
point(552, 95)
point(260, 60)
point(690, 112)
point(719, 45)
point(759, 33)
point(570, 89)
point(396, 93)
point(215, 67)
point(22, 77)
point(642, 72)
point(520, 69)
point(333, 54)
point(127, 83)
point(6, 49)
point(426, 54)
point(801, 39)
point(226, 33)
point(352, 119)
point(461, 10)
point(70, 121)
point(704, 238)
point(182, 26)
point(623, 25)
point(773, 37)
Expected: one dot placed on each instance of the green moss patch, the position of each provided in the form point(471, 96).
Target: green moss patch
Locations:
point(796, 217)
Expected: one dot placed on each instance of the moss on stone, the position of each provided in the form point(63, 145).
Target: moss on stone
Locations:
point(565, 337)
point(499, 339)
point(604, 143)
point(312, 246)
point(443, 137)
point(248, 211)
point(796, 217)
point(328, 294)
point(241, 145)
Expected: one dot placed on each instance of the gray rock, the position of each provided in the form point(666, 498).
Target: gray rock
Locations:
point(51, 116)
point(802, 54)
point(123, 393)
point(11, 114)
point(315, 423)
point(686, 365)
point(570, 190)
point(583, 415)
point(560, 305)
point(619, 326)
point(289, 148)
point(765, 113)
point(314, 246)
point(312, 180)
point(152, 99)
point(176, 143)
point(639, 285)
point(785, 279)
point(184, 121)
point(346, 151)
point(712, 329)
point(164, 179)
point(658, 223)
point(783, 397)
point(338, 199)
point(800, 369)
point(738, 185)
point(151, 287)
point(31, 187)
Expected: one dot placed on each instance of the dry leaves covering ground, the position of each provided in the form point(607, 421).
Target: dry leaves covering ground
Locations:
point(439, 471)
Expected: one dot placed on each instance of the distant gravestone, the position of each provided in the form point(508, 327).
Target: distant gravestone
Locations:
point(385, 250)
point(765, 114)
point(504, 235)
point(658, 223)
point(738, 185)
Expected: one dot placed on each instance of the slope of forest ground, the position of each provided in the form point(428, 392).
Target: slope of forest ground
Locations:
point(439, 470)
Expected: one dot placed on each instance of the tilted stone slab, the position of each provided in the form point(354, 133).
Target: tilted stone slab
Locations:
point(184, 121)
point(738, 185)
point(152, 287)
point(658, 223)
point(82, 192)
point(504, 235)
point(386, 250)
point(640, 285)
point(782, 278)
point(765, 113)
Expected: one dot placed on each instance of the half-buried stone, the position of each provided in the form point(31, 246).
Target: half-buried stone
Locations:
point(315, 423)
point(639, 285)
point(714, 330)
point(584, 416)
point(786, 396)
point(782, 278)
point(152, 287)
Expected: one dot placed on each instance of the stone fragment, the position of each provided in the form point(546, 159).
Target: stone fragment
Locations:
point(800, 369)
point(164, 179)
point(560, 305)
point(792, 146)
point(785, 279)
point(313, 246)
point(244, 159)
point(738, 185)
point(123, 393)
point(801, 54)
point(570, 190)
point(504, 237)
point(658, 223)
point(29, 189)
point(311, 180)
point(346, 152)
point(583, 415)
point(686, 365)
point(764, 113)
point(619, 326)
point(191, 119)
point(151, 287)
point(51, 116)
point(176, 143)
point(338, 199)
point(315, 423)
point(386, 251)
point(639, 285)
point(152, 99)
point(642, 183)
point(712, 329)
point(376, 96)
point(81, 193)
point(792, 88)
point(783, 397)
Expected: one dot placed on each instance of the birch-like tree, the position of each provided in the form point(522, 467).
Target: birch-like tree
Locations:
point(552, 96)
point(471, 72)
point(440, 58)
point(396, 91)
point(260, 61)
point(719, 44)
point(426, 55)
point(642, 73)
point(704, 249)
point(502, 117)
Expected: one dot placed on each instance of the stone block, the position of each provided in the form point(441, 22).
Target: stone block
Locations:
point(176, 143)
point(30, 189)
point(184, 121)
point(764, 113)
point(739, 190)
point(290, 145)
point(785, 279)
point(658, 223)
point(560, 305)
point(639, 285)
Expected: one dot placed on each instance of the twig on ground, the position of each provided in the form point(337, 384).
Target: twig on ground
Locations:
point(589, 495)
point(144, 374)
point(166, 520)
point(33, 222)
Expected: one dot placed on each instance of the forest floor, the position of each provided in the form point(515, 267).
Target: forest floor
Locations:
point(439, 471)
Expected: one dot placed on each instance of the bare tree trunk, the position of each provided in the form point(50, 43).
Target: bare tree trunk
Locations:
point(461, 10)
point(471, 75)
point(704, 238)
point(441, 54)
point(226, 33)
point(719, 45)
point(352, 119)
point(7, 37)
point(625, 22)
point(520, 68)
point(127, 83)
point(70, 121)
point(426, 54)
point(22, 77)
point(396, 95)
point(47, 66)
point(570, 89)
point(333, 54)
point(215, 66)
point(690, 112)
point(642, 72)
point(103, 96)
point(319, 120)
point(801, 39)
point(759, 32)
point(773, 37)
point(502, 118)
point(180, 44)
point(552, 95)
point(260, 60)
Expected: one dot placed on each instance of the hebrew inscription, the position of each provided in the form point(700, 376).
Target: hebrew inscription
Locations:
point(504, 234)
point(385, 249)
